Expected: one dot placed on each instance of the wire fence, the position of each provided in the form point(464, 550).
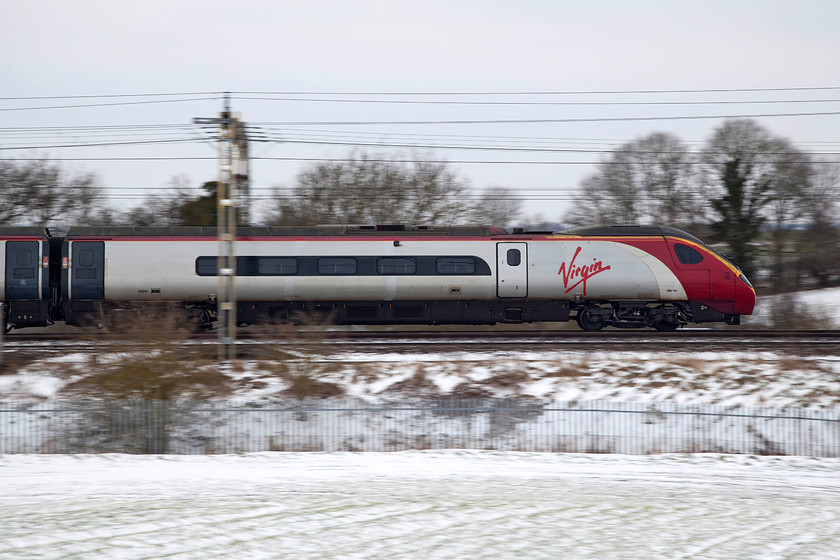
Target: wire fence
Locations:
point(204, 427)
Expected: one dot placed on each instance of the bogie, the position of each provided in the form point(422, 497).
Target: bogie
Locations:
point(592, 318)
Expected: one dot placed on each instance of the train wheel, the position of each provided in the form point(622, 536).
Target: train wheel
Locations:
point(198, 320)
point(590, 320)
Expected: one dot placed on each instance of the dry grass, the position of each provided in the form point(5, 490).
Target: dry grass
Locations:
point(304, 386)
point(156, 363)
point(788, 311)
point(567, 370)
point(12, 362)
point(417, 384)
point(508, 380)
point(299, 360)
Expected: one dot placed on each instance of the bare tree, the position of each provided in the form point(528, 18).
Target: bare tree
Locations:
point(821, 194)
point(40, 192)
point(753, 178)
point(819, 250)
point(786, 210)
point(498, 206)
point(649, 180)
point(163, 208)
point(367, 189)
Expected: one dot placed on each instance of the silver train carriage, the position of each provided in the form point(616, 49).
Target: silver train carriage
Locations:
point(622, 276)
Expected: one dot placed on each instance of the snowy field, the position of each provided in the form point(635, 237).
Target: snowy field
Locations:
point(455, 504)
point(444, 504)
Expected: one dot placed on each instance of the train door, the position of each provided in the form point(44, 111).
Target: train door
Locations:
point(512, 269)
point(23, 263)
point(87, 278)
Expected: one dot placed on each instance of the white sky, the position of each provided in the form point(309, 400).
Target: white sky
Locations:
point(86, 47)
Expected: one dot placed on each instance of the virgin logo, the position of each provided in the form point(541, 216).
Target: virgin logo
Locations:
point(577, 275)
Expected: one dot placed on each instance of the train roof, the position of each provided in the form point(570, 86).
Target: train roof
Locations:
point(28, 231)
point(289, 231)
point(345, 230)
point(627, 230)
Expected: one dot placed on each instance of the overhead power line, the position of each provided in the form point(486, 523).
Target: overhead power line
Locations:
point(537, 103)
point(392, 160)
point(546, 92)
point(115, 104)
point(98, 144)
point(544, 121)
point(495, 148)
point(108, 96)
point(218, 94)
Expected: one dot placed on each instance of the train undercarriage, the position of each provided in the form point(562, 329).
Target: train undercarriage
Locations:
point(200, 316)
point(665, 317)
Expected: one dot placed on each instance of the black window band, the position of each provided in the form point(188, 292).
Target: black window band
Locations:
point(455, 265)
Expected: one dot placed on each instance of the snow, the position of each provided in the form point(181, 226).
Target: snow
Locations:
point(772, 378)
point(445, 504)
point(827, 300)
point(424, 504)
point(822, 306)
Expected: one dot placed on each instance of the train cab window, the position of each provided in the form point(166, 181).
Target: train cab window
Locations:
point(396, 265)
point(337, 265)
point(514, 257)
point(687, 255)
point(276, 266)
point(455, 265)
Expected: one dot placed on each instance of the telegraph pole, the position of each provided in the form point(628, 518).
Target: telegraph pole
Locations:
point(231, 134)
point(242, 170)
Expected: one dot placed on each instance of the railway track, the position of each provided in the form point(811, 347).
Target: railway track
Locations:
point(796, 342)
point(356, 333)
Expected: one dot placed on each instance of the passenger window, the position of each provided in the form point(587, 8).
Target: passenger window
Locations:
point(687, 255)
point(276, 266)
point(514, 257)
point(396, 265)
point(455, 265)
point(206, 266)
point(24, 257)
point(337, 265)
point(85, 258)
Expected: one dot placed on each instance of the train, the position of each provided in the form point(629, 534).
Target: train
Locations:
point(623, 276)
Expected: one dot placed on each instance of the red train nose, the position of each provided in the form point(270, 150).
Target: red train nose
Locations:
point(744, 296)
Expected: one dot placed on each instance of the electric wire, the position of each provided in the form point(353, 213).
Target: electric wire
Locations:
point(541, 103)
point(430, 93)
point(303, 134)
point(114, 104)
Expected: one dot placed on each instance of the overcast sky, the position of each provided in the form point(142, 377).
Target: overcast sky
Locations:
point(320, 47)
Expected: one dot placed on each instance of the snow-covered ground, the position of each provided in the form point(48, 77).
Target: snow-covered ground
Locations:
point(443, 504)
point(701, 373)
point(698, 375)
point(815, 309)
point(827, 300)
point(456, 504)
